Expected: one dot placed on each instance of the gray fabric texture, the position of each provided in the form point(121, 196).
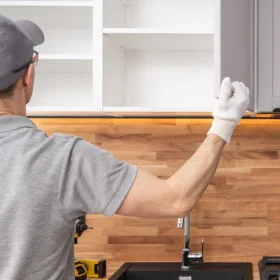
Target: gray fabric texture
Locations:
point(46, 183)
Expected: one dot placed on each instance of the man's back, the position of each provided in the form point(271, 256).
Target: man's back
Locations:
point(44, 188)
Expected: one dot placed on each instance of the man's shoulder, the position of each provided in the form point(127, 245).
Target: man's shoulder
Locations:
point(57, 136)
point(62, 143)
point(63, 139)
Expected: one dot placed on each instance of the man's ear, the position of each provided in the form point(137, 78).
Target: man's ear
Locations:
point(28, 77)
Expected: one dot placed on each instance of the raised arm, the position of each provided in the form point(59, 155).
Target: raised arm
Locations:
point(175, 197)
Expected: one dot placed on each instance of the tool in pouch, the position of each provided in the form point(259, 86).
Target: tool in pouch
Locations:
point(87, 268)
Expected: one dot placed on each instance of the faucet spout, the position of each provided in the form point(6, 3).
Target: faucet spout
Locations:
point(188, 258)
point(187, 231)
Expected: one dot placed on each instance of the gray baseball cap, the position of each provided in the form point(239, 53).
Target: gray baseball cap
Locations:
point(17, 42)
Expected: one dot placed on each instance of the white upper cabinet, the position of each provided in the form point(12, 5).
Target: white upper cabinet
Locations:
point(138, 55)
point(171, 55)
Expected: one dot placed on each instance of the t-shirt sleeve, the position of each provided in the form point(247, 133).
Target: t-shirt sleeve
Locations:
point(93, 181)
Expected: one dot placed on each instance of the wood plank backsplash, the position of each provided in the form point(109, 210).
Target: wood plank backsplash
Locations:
point(238, 216)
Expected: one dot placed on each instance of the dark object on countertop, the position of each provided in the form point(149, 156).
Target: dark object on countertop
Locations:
point(99, 269)
point(173, 271)
point(269, 268)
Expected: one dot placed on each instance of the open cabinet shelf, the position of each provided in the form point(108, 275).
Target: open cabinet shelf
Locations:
point(161, 39)
point(64, 75)
point(51, 3)
point(160, 14)
point(64, 36)
point(155, 31)
point(147, 79)
point(63, 86)
point(66, 57)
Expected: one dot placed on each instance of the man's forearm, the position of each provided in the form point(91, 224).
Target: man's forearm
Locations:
point(192, 179)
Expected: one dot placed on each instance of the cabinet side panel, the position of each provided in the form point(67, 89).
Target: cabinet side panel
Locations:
point(114, 74)
point(276, 56)
point(97, 69)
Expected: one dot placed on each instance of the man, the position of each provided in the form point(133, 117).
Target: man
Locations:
point(47, 182)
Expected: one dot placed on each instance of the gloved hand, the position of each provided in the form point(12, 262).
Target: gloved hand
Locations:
point(232, 104)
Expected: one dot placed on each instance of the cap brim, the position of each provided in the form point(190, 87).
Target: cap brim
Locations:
point(32, 30)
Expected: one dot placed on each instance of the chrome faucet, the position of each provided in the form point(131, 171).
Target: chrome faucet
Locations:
point(188, 258)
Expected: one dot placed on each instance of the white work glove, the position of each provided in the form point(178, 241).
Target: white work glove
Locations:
point(232, 104)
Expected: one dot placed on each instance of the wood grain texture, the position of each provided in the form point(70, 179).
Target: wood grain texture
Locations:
point(238, 216)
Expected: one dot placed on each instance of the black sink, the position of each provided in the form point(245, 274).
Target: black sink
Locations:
point(172, 271)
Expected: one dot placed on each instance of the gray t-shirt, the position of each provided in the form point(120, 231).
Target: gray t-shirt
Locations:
point(46, 183)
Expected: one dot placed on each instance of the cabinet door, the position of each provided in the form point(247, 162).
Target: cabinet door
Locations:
point(268, 70)
point(275, 8)
point(234, 43)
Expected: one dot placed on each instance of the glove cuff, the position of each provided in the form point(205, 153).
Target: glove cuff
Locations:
point(223, 129)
